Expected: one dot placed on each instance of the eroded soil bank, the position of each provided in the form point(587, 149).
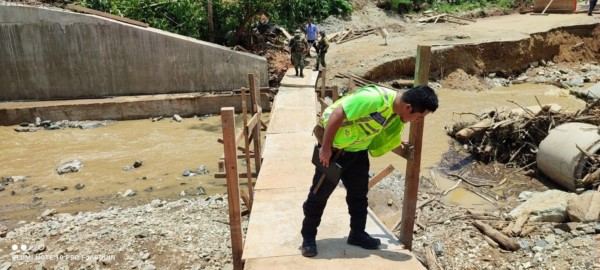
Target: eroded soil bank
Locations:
point(580, 43)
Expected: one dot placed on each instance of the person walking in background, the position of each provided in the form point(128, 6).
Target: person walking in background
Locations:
point(322, 47)
point(592, 6)
point(298, 48)
point(369, 121)
point(311, 31)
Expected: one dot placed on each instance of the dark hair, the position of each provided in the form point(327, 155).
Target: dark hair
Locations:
point(421, 98)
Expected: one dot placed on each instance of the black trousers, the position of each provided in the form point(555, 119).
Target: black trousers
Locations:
point(592, 6)
point(355, 176)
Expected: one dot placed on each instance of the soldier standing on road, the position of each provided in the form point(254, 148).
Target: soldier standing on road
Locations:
point(592, 6)
point(298, 47)
point(322, 47)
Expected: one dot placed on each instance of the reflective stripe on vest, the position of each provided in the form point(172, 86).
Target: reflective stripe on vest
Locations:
point(361, 129)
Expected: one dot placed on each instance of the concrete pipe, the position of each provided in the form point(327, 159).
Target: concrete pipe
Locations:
point(558, 156)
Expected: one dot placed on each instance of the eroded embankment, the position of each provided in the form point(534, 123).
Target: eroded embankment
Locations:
point(565, 44)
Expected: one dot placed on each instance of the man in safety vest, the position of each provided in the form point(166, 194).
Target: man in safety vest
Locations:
point(369, 121)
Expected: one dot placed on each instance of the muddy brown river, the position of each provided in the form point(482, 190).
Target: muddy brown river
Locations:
point(168, 148)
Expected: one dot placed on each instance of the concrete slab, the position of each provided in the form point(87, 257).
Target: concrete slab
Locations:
point(309, 80)
point(348, 259)
point(288, 145)
point(284, 173)
point(278, 215)
point(295, 98)
point(290, 120)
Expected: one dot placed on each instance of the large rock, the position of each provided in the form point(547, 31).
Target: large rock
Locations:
point(585, 207)
point(547, 206)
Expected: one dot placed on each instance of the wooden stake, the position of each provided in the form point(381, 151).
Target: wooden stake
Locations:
point(389, 169)
point(413, 166)
point(351, 85)
point(323, 78)
point(247, 146)
point(255, 98)
point(233, 189)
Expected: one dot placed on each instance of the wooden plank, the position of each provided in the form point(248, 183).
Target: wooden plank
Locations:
point(239, 148)
point(105, 15)
point(252, 123)
point(246, 200)
point(389, 169)
point(413, 166)
point(233, 189)
point(335, 94)
point(239, 137)
point(240, 175)
point(344, 36)
point(461, 18)
point(324, 77)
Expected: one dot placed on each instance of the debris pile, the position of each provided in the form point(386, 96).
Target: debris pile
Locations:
point(352, 34)
point(444, 18)
point(513, 136)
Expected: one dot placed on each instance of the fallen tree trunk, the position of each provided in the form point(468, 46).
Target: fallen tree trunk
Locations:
point(468, 132)
point(506, 242)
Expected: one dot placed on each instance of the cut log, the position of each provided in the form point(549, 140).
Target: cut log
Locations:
point(518, 226)
point(506, 242)
point(468, 132)
point(430, 258)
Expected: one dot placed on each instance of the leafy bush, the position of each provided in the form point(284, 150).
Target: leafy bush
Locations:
point(190, 17)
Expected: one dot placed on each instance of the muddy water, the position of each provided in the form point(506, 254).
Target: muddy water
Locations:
point(167, 148)
point(452, 103)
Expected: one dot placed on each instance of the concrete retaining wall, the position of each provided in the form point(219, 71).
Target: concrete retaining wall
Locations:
point(123, 108)
point(54, 54)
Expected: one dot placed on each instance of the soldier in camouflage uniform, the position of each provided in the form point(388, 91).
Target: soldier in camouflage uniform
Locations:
point(322, 50)
point(298, 48)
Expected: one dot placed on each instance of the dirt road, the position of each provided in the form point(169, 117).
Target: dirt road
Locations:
point(364, 54)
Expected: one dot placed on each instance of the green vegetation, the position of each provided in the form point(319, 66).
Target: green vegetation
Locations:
point(190, 17)
point(405, 6)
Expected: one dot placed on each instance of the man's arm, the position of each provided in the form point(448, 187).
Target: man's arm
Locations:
point(333, 125)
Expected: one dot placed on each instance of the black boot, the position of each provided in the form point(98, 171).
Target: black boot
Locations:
point(363, 240)
point(301, 75)
point(296, 71)
point(309, 248)
point(316, 68)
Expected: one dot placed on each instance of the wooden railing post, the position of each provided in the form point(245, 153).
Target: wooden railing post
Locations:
point(413, 166)
point(247, 152)
point(255, 99)
point(233, 189)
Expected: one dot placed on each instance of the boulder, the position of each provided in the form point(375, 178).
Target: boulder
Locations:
point(585, 207)
point(547, 206)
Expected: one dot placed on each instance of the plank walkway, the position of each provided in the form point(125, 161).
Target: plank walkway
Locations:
point(273, 237)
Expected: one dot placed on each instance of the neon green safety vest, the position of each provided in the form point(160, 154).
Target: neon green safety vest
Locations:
point(366, 132)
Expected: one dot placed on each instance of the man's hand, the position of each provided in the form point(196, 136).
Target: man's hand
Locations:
point(325, 155)
point(405, 150)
